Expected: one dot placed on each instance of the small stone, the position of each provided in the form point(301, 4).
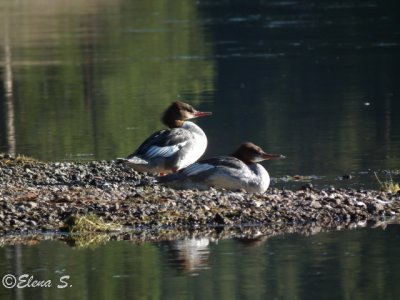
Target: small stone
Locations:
point(8, 171)
point(345, 177)
point(360, 204)
point(315, 204)
point(32, 204)
point(256, 203)
point(206, 208)
point(32, 223)
point(375, 207)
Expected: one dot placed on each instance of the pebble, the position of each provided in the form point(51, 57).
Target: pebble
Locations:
point(315, 204)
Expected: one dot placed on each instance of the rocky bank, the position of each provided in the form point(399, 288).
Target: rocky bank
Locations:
point(37, 196)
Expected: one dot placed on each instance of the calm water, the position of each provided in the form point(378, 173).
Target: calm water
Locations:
point(317, 81)
point(352, 264)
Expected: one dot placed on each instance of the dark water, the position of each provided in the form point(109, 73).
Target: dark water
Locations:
point(317, 81)
point(351, 264)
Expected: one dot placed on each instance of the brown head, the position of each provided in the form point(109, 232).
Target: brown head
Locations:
point(250, 154)
point(178, 112)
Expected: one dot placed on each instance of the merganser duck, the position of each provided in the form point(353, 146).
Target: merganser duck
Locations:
point(238, 171)
point(170, 150)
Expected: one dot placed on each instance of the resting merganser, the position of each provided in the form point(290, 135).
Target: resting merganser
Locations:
point(170, 150)
point(238, 171)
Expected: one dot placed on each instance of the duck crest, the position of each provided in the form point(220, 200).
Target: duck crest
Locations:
point(172, 117)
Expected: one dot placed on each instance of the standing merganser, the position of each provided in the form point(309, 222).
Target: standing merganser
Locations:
point(170, 150)
point(238, 171)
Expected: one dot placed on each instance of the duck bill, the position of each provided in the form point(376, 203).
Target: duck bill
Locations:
point(199, 114)
point(267, 156)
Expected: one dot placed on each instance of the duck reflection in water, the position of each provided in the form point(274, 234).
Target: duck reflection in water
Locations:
point(188, 255)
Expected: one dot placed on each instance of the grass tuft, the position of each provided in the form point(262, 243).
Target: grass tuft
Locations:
point(89, 223)
point(6, 159)
point(388, 186)
point(25, 159)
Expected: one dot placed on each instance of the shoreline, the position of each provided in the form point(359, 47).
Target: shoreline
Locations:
point(38, 196)
point(247, 234)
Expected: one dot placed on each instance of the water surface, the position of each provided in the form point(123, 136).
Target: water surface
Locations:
point(314, 80)
point(352, 264)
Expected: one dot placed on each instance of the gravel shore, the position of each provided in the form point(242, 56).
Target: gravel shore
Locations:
point(38, 196)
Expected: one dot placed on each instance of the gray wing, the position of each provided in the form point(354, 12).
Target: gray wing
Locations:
point(163, 143)
point(207, 168)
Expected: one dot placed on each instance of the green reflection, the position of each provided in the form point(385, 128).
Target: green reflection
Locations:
point(333, 265)
point(92, 77)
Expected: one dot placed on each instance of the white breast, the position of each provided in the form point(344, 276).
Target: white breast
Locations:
point(261, 180)
point(198, 145)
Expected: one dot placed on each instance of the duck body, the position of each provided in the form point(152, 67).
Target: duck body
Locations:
point(169, 150)
point(240, 171)
point(220, 172)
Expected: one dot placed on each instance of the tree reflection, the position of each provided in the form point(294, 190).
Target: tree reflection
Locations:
point(8, 90)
